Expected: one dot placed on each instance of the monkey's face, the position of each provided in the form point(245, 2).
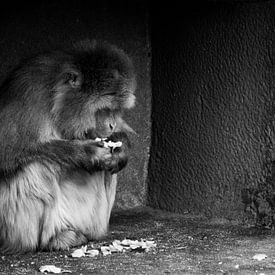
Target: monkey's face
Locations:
point(107, 75)
point(107, 122)
point(94, 89)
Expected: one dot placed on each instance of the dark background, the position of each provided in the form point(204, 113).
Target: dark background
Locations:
point(211, 80)
point(212, 105)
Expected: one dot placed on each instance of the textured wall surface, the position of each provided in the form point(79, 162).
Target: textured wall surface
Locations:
point(212, 105)
point(26, 29)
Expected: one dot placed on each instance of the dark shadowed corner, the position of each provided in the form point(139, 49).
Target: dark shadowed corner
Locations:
point(212, 107)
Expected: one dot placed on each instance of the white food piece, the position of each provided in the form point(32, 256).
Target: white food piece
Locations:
point(129, 242)
point(126, 242)
point(259, 257)
point(109, 144)
point(105, 250)
point(112, 248)
point(100, 139)
point(134, 244)
point(118, 246)
point(78, 253)
point(150, 244)
point(53, 269)
point(92, 253)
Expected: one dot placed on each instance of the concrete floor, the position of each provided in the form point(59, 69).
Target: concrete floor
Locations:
point(185, 245)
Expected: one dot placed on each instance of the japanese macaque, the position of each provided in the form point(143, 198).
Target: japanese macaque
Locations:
point(57, 175)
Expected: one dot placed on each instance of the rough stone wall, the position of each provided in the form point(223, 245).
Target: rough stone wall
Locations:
point(212, 112)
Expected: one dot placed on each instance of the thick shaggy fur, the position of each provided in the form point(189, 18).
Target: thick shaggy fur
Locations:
point(57, 185)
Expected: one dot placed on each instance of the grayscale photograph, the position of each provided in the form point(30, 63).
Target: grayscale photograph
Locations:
point(137, 137)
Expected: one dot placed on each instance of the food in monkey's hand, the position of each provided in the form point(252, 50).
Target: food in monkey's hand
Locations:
point(109, 144)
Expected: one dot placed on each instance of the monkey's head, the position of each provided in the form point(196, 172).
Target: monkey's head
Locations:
point(95, 83)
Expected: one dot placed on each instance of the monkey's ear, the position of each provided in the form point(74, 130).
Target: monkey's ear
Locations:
point(68, 79)
point(73, 79)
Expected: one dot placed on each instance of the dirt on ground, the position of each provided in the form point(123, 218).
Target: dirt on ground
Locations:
point(185, 245)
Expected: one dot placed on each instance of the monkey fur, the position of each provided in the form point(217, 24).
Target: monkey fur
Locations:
point(57, 184)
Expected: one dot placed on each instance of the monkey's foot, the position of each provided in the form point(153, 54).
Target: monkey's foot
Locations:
point(66, 239)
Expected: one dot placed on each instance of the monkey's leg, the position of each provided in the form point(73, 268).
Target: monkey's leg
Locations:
point(85, 203)
point(66, 239)
point(23, 199)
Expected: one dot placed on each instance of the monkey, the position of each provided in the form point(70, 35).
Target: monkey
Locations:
point(57, 179)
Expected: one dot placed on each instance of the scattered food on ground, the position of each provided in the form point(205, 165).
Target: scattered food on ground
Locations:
point(92, 253)
point(116, 246)
point(259, 257)
point(53, 269)
point(80, 252)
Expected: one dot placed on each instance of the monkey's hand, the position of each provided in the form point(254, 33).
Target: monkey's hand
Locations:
point(108, 154)
point(119, 146)
point(98, 155)
point(117, 161)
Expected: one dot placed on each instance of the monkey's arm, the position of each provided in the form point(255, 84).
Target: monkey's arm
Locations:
point(63, 154)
